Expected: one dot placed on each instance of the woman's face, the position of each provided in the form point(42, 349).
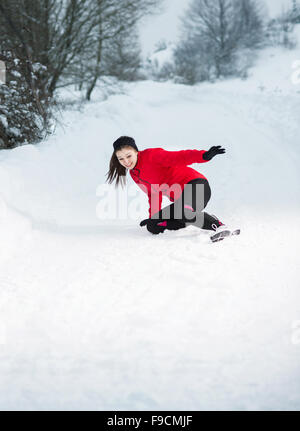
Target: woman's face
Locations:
point(127, 157)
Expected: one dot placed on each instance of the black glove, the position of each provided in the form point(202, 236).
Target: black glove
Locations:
point(150, 221)
point(152, 225)
point(144, 222)
point(212, 152)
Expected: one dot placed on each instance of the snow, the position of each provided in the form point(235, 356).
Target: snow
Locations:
point(159, 58)
point(101, 315)
point(3, 120)
point(14, 131)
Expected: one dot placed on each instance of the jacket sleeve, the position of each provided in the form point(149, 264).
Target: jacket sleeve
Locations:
point(178, 158)
point(155, 200)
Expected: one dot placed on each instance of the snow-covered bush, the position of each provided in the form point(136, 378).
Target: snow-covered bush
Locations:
point(24, 107)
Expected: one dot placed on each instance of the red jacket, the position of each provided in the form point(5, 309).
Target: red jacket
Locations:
point(157, 170)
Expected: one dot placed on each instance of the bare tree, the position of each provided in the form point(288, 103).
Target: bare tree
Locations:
point(280, 29)
point(117, 51)
point(252, 23)
point(192, 63)
point(64, 42)
point(216, 31)
point(122, 56)
point(295, 13)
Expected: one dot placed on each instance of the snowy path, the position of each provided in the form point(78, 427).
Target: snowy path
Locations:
point(110, 317)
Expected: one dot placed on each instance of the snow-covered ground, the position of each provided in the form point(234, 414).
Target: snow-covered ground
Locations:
point(100, 314)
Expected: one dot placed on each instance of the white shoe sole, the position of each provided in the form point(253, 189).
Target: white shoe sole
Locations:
point(223, 234)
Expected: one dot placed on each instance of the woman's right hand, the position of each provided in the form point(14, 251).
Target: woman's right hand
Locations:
point(144, 222)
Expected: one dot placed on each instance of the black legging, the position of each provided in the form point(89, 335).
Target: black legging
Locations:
point(188, 208)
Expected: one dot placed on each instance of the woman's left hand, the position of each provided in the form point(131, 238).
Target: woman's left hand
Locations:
point(213, 151)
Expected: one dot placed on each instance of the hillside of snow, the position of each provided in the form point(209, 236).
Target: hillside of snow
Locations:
point(98, 314)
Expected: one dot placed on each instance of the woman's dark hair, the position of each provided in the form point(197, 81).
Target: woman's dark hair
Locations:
point(116, 170)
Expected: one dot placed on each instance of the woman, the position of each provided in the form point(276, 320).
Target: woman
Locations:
point(166, 173)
